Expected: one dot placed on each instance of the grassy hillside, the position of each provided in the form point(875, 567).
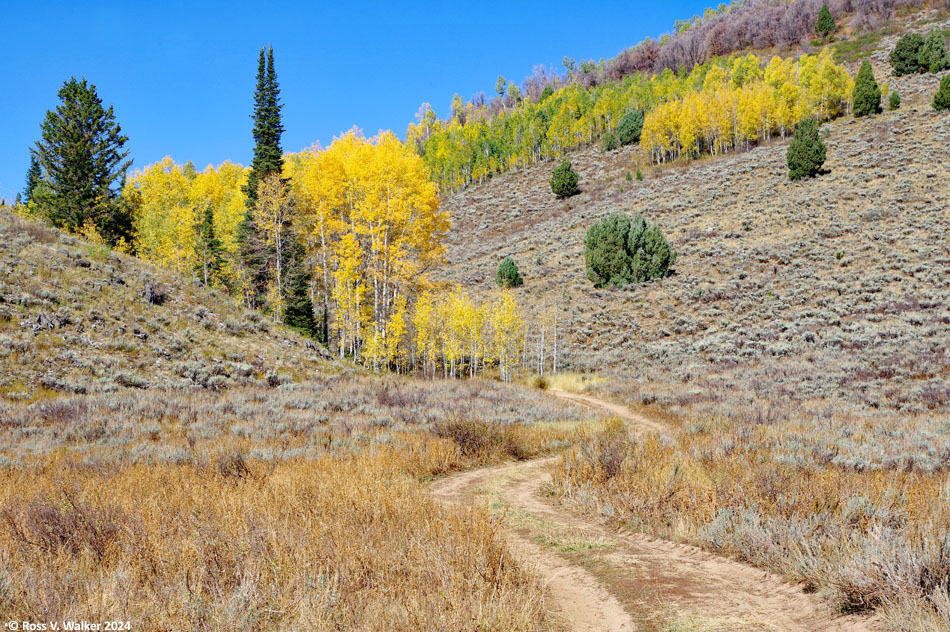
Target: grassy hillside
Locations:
point(838, 285)
point(801, 345)
point(74, 318)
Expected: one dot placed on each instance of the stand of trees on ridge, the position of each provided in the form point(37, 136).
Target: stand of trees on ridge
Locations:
point(719, 106)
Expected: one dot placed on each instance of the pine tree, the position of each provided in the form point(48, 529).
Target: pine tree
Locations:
point(298, 307)
point(806, 152)
point(618, 251)
point(630, 127)
point(942, 98)
point(825, 24)
point(33, 178)
point(905, 58)
point(894, 102)
point(268, 158)
point(82, 156)
point(564, 180)
point(508, 275)
point(209, 249)
point(933, 55)
point(867, 94)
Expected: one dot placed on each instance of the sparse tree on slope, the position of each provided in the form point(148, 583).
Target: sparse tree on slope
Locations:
point(618, 250)
point(508, 275)
point(806, 152)
point(933, 55)
point(825, 24)
point(894, 102)
point(942, 98)
point(906, 55)
point(867, 94)
point(564, 180)
point(82, 156)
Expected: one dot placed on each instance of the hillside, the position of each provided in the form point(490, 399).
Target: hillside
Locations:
point(74, 318)
point(759, 285)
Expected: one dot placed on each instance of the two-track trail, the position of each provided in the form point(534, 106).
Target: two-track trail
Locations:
point(604, 580)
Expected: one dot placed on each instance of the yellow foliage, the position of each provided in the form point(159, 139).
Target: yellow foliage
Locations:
point(170, 202)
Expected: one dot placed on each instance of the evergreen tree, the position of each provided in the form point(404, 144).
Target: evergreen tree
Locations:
point(618, 250)
point(33, 178)
point(942, 98)
point(564, 180)
point(508, 275)
point(894, 102)
point(209, 248)
point(933, 55)
point(609, 141)
point(606, 251)
point(82, 156)
point(825, 24)
point(905, 58)
point(630, 127)
point(298, 306)
point(268, 155)
point(867, 94)
point(806, 151)
point(267, 159)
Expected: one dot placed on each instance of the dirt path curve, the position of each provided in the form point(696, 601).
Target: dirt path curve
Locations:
point(604, 580)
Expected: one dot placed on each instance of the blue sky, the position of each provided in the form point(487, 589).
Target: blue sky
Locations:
point(181, 76)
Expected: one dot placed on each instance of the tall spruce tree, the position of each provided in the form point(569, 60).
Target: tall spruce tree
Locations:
point(82, 156)
point(255, 255)
point(268, 158)
point(33, 178)
point(867, 94)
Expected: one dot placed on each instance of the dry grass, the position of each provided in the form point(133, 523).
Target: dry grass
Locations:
point(325, 544)
point(300, 506)
point(867, 538)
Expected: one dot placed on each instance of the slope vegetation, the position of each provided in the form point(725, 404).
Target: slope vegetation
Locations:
point(77, 318)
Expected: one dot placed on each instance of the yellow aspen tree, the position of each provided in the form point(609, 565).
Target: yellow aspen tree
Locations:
point(166, 219)
point(508, 330)
point(272, 214)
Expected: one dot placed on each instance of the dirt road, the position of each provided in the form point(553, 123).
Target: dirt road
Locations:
point(605, 580)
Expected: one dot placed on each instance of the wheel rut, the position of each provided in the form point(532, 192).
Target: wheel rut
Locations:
point(601, 579)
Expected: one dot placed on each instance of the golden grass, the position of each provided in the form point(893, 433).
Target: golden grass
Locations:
point(868, 539)
point(573, 382)
point(341, 542)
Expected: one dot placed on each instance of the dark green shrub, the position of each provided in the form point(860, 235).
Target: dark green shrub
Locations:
point(618, 251)
point(508, 275)
point(564, 180)
point(825, 24)
point(905, 58)
point(806, 152)
point(942, 98)
point(628, 177)
point(894, 102)
point(609, 142)
point(867, 94)
point(639, 175)
point(630, 127)
point(548, 91)
point(933, 55)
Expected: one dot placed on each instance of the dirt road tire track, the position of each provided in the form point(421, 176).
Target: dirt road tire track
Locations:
point(715, 593)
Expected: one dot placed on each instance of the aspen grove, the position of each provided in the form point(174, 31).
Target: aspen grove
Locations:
point(370, 220)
